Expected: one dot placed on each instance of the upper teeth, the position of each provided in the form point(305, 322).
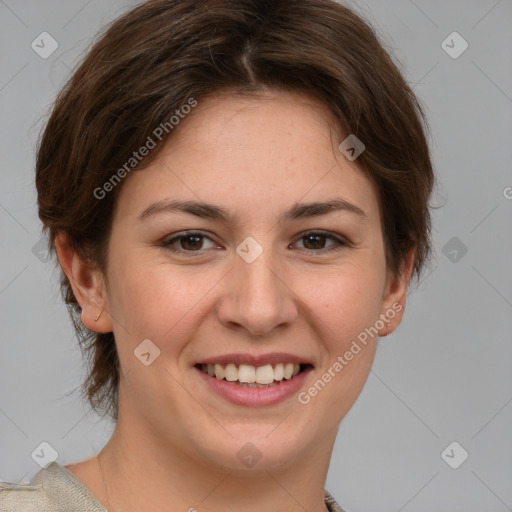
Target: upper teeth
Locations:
point(252, 374)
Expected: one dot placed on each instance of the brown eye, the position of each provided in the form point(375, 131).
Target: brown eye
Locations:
point(315, 241)
point(187, 243)
point(191, 242)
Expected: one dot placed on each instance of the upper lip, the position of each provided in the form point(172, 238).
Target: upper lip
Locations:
point(255, 360)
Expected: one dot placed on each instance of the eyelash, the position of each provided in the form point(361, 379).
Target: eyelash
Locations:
point(340, 242)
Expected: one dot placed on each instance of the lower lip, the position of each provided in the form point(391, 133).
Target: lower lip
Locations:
point(255, 397)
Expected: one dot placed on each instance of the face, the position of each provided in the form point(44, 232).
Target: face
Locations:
point(253, 286)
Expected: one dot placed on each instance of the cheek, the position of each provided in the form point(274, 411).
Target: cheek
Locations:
point(346, 307)
point(348, 349)
point(345, 301)
point(151, 300)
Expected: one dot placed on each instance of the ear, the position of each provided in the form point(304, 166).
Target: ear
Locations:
point(88, 286)
point(395, 292)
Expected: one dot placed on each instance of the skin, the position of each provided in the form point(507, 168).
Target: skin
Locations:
point(255, 157)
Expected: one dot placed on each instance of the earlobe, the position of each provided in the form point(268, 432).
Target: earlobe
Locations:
point(393, 303)
point(87, 284)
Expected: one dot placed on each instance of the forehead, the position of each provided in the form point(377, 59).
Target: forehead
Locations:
point(253, 154)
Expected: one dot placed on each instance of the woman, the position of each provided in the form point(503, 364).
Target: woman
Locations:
point(237, 194)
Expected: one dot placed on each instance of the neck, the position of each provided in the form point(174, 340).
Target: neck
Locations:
point(140, 475)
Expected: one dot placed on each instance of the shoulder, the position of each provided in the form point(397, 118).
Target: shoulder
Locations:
point(331, 503)
point(52, 489)
point(27, 497)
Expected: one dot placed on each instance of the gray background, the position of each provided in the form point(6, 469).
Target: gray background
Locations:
point(445, 375)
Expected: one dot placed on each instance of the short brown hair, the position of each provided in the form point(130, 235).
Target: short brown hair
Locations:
point(153, 59)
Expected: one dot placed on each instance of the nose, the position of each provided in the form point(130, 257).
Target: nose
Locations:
point(257, 296)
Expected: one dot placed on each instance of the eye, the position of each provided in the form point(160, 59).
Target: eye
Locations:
point(188, 242)
point(315, 240)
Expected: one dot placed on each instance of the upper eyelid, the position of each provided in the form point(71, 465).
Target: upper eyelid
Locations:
point(183, 234)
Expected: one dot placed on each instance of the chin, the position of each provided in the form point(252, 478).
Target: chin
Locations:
point(254, 449)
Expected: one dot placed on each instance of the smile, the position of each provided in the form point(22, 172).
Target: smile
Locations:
point(261, 384)
point(253, 376)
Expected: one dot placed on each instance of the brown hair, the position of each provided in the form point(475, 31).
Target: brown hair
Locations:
point(152, 60)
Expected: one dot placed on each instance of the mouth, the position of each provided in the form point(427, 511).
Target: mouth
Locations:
point(249, 376)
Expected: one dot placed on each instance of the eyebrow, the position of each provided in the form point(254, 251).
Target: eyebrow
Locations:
point(217, 213)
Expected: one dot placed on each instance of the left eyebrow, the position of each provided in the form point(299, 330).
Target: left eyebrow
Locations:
point(213, 212)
